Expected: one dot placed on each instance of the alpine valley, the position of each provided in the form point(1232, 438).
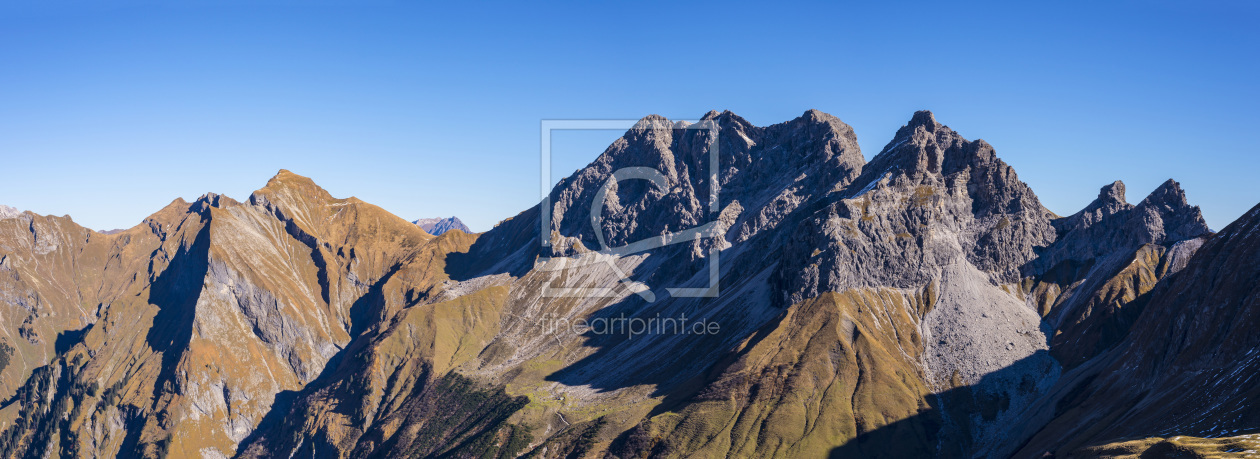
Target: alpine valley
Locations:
point(920, 304)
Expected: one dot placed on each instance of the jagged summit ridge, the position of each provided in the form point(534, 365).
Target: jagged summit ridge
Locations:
point(1109, 223)
point(1111, 200)
point(954, 182)
point(753, 162)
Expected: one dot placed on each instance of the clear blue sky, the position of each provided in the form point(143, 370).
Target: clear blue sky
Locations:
point(108, 113)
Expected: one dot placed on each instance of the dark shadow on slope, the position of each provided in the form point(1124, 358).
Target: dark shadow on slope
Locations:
point(1091, 319)
point(456, 417)
point(450, 416)
point(307, 239)
point(687, 390)
point(511, 247)
point(677, 397)
point(51, 401)
point(175, 292)
point(67, 339)
point(282, 406)
point(6, 355)
point(684, 354)
point(272, 428)
point(45, 393)
point(686, 362)
point(611, 335)
point(369, 309)
point(953, 411)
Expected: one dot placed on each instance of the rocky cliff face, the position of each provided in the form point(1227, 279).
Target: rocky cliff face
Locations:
point(437, 226)
point(1187, 366)
point(923, 303)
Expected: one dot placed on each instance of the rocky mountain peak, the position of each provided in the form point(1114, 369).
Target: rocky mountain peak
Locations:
point(1186, 365)
point(730, 124)
point(290, 188)
point(1167, 194)
point(724, 115)
point(177, 205)
point(437, 226)
point(924, 119)
point(1166, 212)
point(925, 152)
point(214, 200)
point(1112, 193)
point(1110, 201)
point(285, 179)
point(815, 122)
point(924, 146)
point(8, 212)
point(652, 123)
point(818, 137)
point(814, 114)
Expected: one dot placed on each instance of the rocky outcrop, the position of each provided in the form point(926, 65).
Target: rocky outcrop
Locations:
point(930, 198)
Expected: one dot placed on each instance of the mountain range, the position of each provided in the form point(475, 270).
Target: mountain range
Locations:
point(923, 303)
point(437, 226)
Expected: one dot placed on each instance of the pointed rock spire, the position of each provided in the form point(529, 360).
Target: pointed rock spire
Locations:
point(1169, 194)
point(1110, 201)
point(1113, 193)
point(1166, 215)
point(925, 146)
point(924, 119)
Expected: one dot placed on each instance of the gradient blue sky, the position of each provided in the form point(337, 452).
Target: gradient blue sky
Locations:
point(107, 113)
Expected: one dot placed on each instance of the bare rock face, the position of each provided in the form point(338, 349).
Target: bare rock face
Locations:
point(929, 199)
point(923, 303)
point(8, 212)
point(767, 170)
point(1092, 283)
point(1187, 367)
point(437, 226)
